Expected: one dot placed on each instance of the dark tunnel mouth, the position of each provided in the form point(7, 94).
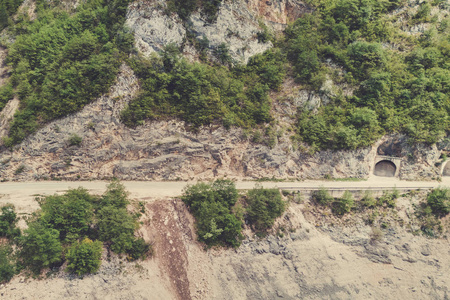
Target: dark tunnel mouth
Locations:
point(386, 168)
point(446, 170)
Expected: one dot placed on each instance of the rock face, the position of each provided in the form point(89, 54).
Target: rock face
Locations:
point(236, 26)
point(162, 150)
point(166, 150)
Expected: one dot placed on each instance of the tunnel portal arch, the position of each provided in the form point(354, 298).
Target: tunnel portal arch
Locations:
point(385, 168)
point(446, 170)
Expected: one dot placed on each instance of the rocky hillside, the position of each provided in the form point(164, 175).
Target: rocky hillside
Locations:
point(94, 143)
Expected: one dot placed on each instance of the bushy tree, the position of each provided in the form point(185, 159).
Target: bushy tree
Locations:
point(115, 195)
point(84, 257)
point(71, 213)
point(39, 247)
point(7, 268)
point(211, 205)
point(344, 204)
point(264, 206)
point(322, 196)
point(439, 201)
point(8, 221)
point(116, 227)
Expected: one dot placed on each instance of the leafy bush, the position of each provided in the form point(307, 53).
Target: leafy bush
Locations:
point(368, 199)
point(322, 196)
point(8, 221)
point(264, 206)
point(115, 195)
point(39, 247)
point(75, 140)
point(7, 268)
point(71, 213)
point(84, 257)
point(388, 198)
point(117, 227)
point(439, 201)
point(344, 204)
point(211, 205)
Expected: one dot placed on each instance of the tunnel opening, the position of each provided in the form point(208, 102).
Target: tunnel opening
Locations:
point(446, 171)
point(385, 168)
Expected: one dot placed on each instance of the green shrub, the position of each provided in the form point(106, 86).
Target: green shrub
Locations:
point(8, 221)
point(211, 205)
point(344, 204)
point(115, 195)
point(7, 268)
point(75, 140)
point(322, 196)
point(117, 227)
point(85, 257)
point(368, 199)
point(439, 201)
point(39, 248)
point(71, 213)
point(264, 206)
point(388, 198)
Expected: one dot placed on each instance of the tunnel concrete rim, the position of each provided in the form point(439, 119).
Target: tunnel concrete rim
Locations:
point(385, 168)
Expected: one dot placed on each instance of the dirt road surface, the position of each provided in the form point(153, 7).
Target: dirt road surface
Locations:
point(22, 194)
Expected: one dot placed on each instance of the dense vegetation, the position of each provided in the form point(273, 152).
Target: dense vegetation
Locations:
point(73, 227)
point(61, 61)
point(402, 83)
point(200, 94)
point(219, 216)
point(7, 9)
point(439, 201)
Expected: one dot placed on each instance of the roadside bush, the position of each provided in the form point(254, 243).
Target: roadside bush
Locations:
point(368, 200)
point(388, 198)
point(39, 248)
point(322, 196)
point(8, 221)
point(7, 268)
point(211, 205)
point(116, 227)
point(264, 206)
point(71, 214)
point(115, 195)
point(439, 201)
point(344, 204)
point(84, 257)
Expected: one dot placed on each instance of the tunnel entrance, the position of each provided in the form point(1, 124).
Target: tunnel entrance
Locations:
point(386, 168)
point(446, 171)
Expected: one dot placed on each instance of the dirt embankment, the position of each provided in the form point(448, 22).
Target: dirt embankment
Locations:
point(310, 255)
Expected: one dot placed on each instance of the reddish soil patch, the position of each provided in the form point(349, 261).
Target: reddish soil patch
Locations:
point(171, 228)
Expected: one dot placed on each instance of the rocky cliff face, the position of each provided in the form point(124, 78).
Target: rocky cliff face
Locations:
point(166, 150)
point(162, 150)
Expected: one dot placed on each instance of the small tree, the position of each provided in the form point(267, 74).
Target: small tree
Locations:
point(40, 247)
point(117, 226)
point(115, 195)
point(439, 201)
point(322, 196)
point(84, 257)
point(344, 204)
point(8, 220)
point(264, 206)
point(7, 269)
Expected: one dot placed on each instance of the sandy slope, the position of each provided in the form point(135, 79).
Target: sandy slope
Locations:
point(313, 260)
